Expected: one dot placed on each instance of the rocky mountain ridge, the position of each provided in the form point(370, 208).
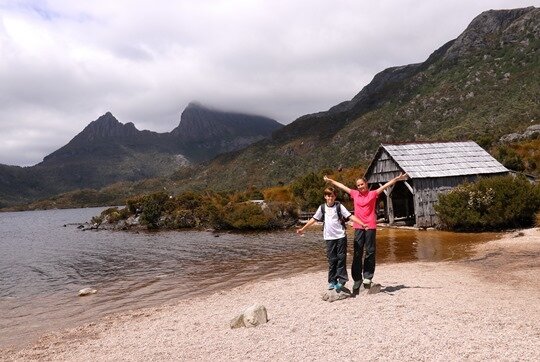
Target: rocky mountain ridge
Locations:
point(203, 131)
point(108, 151)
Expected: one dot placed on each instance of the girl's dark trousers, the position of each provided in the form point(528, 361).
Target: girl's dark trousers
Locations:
point(364, 240)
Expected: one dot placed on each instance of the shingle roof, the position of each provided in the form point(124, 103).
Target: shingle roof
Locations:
point(444, 159)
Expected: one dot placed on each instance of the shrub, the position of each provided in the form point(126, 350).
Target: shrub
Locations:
point(284, 214)
point(510, 159)
point(308, 190)
point(188, 200)
point(246, 216)
point(113, 215)
point(278, 193)
point(152, 207)
point(97, 220)
point(134, 205)
point(493, 203)
point(180, 219)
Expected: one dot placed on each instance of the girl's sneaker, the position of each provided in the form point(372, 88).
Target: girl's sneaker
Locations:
point(331, 286)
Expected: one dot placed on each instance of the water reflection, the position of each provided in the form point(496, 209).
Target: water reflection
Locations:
point(401, 245)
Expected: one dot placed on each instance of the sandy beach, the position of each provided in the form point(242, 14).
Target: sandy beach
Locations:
point(484, 308)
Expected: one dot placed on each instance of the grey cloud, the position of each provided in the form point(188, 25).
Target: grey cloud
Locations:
point(66, 62)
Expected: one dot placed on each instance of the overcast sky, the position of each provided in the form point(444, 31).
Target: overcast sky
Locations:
point(64, 63)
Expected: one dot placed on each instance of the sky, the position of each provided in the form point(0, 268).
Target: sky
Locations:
point(64, 63)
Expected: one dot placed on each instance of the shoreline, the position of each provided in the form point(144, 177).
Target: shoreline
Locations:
point(483, 307)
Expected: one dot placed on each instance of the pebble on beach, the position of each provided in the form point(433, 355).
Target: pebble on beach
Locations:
point(87, 291)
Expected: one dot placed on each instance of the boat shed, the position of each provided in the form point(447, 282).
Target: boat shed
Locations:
point(432, 168)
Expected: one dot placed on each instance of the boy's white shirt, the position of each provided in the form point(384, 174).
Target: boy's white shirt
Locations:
point(332, 227)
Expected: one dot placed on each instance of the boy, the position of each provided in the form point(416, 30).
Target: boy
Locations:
point(335, 237)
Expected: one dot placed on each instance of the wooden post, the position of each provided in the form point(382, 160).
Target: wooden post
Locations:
point(407, 211)
point(390, 206)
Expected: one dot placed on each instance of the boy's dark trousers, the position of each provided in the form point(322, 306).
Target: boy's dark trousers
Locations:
point(363, 240)
point(336, 252)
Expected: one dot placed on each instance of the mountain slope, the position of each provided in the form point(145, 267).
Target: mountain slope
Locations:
point(480, 86)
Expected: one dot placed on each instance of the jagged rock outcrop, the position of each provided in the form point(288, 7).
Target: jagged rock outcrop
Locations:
point(106, 138)
point(204, 131)
point(200, 124)
point(107, 126)
point(494, 28)
point(530, 132)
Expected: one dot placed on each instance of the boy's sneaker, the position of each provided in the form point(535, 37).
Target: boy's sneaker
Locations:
point(331, 286)
point(339, 285)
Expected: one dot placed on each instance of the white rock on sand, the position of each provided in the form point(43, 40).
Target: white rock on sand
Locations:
point(484, 308)
point(86, 291)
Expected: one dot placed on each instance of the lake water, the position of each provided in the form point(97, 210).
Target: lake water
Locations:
point(45, 260)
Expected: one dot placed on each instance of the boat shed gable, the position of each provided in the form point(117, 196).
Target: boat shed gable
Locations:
point(442, 159)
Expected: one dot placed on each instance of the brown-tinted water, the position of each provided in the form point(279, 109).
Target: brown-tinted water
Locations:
point(43, 264)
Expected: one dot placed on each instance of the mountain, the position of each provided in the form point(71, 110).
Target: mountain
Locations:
point(107, 151)
point(204, 131)
point(480, 86)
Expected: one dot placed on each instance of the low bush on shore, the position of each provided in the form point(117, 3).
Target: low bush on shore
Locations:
point(494, 203)
point(197, 210)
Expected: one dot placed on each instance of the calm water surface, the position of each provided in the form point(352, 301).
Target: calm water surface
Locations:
point(44, 261)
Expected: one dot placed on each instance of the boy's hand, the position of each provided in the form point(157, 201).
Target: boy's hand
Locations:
point(299, 231)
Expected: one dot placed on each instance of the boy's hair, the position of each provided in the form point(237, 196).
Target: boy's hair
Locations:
point(329, 191)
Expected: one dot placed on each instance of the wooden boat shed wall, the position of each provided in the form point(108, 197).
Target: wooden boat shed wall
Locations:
point(432, 168)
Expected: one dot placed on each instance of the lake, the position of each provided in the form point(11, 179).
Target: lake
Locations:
point(45, 259)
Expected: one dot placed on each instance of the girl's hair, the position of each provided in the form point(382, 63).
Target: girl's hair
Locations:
point(329, 191)
point(361, 178)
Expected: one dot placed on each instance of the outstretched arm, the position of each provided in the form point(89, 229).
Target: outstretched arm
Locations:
point(337, 184)
point(401, 177)
point(308, 224)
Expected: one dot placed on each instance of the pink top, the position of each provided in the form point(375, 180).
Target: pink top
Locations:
point(364, 208)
